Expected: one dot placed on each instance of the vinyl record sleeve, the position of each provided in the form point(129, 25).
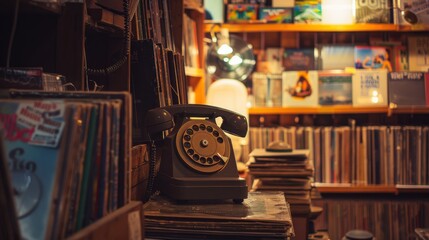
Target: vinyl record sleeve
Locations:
point(35, 169)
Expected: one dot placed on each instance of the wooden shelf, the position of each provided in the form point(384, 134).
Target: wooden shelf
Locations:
point(414, 28)
point(349, 188)
point(335, 110)
point(265, 27)
point(123, 223)
point(383, 189)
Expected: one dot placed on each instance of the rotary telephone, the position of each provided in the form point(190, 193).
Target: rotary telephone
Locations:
point(197, 161)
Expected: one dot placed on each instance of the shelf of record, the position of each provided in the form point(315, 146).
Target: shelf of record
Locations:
point(291, 27)
point(357, 91)
point(353, 158)
point(69, 158)
point(344, 109)
point(356, 188)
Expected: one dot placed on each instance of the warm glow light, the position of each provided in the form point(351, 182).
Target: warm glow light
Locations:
point(235, 60)
point(375, 97)
point(338, 11)
point(224, 49)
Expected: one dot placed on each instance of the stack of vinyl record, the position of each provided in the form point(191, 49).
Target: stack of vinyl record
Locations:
point(263, 215)
point(8, 218)
point(289, 172)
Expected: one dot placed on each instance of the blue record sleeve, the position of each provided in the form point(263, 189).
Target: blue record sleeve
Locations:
point(32, 137)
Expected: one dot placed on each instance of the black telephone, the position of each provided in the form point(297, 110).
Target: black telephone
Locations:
point(197, 161)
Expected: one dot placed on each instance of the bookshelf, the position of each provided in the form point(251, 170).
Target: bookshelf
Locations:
point(377, 201)
point(195, 74)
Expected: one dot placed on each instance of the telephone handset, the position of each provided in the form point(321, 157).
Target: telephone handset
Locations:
point(197, 160)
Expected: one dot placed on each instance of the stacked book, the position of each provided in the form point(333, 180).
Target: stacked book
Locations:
point(263, 215)
point(289, 172)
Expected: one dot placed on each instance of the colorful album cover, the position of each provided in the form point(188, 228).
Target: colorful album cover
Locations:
point(300, 88)
point(32, 132)
point(370, 87)
point(406, 89)
point(242, 12)
point(276, 15)
point(307, 11)
point(298, 59)
point(372, 57)
point(374, 11)
point(335, 88)
point(335, 57)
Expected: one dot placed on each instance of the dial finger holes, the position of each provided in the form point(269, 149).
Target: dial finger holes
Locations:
point(209, 129)
point(190, 151)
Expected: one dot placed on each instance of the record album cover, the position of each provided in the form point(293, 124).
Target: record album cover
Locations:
point(276, 15)
point(307, 11)
point(334, 57)
point(418, 53)
point(32, 132)
point(406, 89)
point(374, 11)
point(335, 88)
point(372, 57)
point(298, 59)
point(300, 88)
point(370, 88)
point(267, 89)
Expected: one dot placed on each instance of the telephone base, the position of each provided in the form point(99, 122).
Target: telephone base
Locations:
point(186, 189)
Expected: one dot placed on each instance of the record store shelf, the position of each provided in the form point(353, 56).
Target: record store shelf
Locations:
point(336, 110)
point(290, 27)
point(324, 188)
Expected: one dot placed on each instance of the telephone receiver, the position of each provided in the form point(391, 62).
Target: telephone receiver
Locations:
point(161, 119)
point(197, 159)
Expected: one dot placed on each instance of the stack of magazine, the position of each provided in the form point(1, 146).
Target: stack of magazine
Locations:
point(263, 215)
point(68, 158)
point(289, 172)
